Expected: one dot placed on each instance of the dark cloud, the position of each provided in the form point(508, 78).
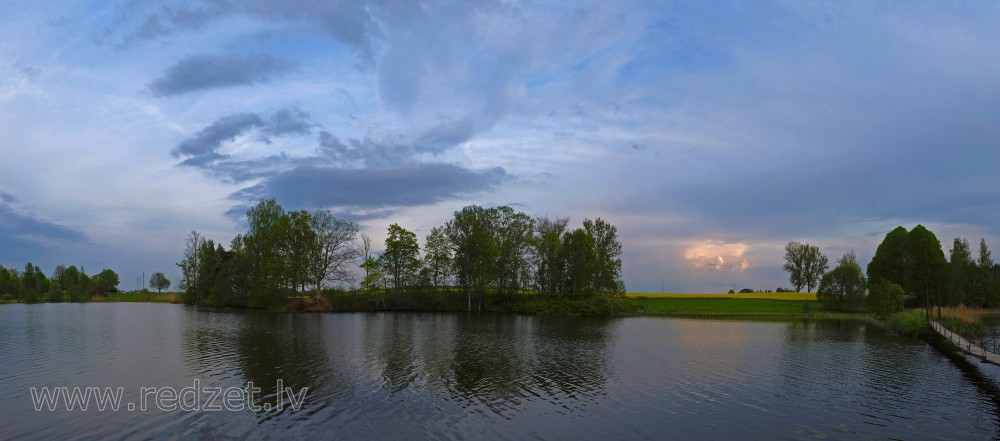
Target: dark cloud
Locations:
point(201, 148)
point(211, 138)
point(348, 22)
point(288, 121)
point(443, 137)
point(364, 153)
point(373, 188)
point(25, 235)
point(201, 72)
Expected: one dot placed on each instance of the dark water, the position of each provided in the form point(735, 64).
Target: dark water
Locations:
point(455, 376)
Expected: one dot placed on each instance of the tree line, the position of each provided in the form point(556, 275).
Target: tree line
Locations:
point(66, 284)
point(488, 254)
point(908, 267)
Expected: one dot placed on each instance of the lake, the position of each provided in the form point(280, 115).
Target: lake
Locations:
point(460, 376)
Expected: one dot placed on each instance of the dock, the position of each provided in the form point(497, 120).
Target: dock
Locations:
point(965, 345)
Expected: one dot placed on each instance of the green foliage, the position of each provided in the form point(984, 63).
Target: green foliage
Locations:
point(909, 322)
point(746, 290)
point(33, 283)
point(608, 257)
point(437, 257)
point(913, 260)
point(843, 288)
point(401, 257)
point(159, 281)
point(805, 265)
point(891, 261)
point(546, 252)
point(8, 297)
point(884, 298)
point(54, 293)
point(928, 268)
point(105, 281)
point(580, 260)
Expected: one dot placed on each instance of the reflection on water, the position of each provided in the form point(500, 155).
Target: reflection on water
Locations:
point(460, 376)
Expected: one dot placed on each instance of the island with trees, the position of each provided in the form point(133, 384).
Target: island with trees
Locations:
point(482, 259)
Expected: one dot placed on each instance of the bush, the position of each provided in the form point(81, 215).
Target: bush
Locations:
point(8, 297)
point(746, 290)
point(884, 299)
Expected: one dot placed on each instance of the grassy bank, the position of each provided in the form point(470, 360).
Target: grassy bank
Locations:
point(793, 305)
point(799, 296)
point(167, 297)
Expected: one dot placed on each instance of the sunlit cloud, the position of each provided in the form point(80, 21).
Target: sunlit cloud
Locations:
point(717, 255)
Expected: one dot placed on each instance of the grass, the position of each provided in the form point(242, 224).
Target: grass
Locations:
point(167, 297)
point(797, 296)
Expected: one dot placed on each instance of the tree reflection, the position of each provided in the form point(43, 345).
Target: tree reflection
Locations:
point(263, 348)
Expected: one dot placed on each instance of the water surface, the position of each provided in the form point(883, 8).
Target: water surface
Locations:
point(459, 376)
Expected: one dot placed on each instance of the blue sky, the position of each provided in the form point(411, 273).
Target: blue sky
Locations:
point(710, 133)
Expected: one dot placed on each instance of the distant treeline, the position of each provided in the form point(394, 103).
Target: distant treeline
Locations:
point(66, 284)
point(489, 254)
point(908, 267)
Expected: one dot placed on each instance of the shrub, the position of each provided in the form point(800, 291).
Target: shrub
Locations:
point(884, 299)
point(746, 290)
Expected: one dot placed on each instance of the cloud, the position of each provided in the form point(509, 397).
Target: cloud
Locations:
point(717, 255)
point(167, 20)
point(202, 147)
point(209, 139)
point(24, 235)
point(348, 22)
point(419, 184)
point(201, 72)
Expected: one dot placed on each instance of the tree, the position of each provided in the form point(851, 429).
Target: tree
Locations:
point(264, 245)
point(159, 281)
point(805, 265)
point(579, 260)
point(437, 257)
point(985, 283)
point(54, 293)
point(301, 248)
point(189, 266)
point(470, 233)
point(73, 283)
point(366, 252)
point(961, 270)
point(608, 255)
point(884, 298)
point(106, 281)
point(33, 283)
point(913, 260)
point(401, 256)
point(843, 288)
point(927, 266)
point(892, 260)
point(512, 232)
point(546, 248)
point(332, 250)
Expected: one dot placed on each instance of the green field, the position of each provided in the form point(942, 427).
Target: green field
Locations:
point(800, 296)
point(167, 297)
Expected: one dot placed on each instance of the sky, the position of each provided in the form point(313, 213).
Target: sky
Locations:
point(709, 133)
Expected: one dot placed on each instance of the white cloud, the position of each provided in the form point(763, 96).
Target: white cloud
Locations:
point(717, 255)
